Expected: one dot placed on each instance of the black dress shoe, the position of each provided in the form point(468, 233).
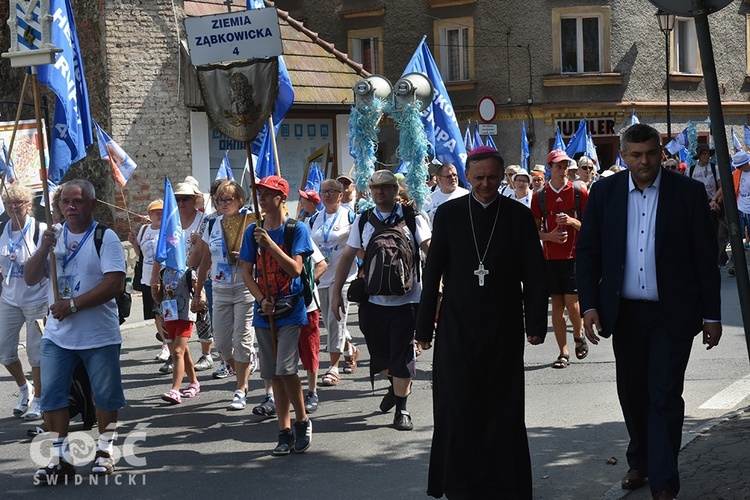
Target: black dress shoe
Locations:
point(633, 480)
point(402, 421)
point(665, 495)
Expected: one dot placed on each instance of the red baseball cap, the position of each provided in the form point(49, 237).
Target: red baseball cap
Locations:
point(274, 182)
point(310, 195)
point(557, 155)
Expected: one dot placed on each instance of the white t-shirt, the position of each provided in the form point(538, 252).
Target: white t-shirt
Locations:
point(526, 200)
point(423, 234)
point(13, 255)
point(194, 226)
point(223, 274)
point(743, 197)
point(706, 176)
point(351, 205)
point(330, 233)
point(95, 326)
point(317, 257)
point(438, 198)
point(148, 242)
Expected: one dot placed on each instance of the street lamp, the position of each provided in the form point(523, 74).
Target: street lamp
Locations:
point(666, 25)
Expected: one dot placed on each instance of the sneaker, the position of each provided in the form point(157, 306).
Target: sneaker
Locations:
point(253, 362)
point(267, 408)
point(168, 366)
point(302, 435)
point(164, 354)
point(54, 473)
point(311, 402)
point(35, 411)
point(239, 401)
point(389, 401)
point(205, 362)
point(24, 400)
point(286, 443)
point(402, 421)
point(103, 465)
point(224, 371)
point(730, 271)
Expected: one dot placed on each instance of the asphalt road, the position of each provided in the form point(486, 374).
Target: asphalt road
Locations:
point(202, 450)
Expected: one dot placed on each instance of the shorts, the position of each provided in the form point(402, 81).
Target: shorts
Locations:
point(150, 308)
point(178, 328)
point(13, 319)
point(287, 351)
point(562, 277)
point(389, 333)
point(102, 365)
point(309, 342)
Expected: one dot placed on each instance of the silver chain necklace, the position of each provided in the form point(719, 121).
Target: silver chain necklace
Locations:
point(481, 272)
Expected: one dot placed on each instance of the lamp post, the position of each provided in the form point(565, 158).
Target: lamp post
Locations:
point(666, 25)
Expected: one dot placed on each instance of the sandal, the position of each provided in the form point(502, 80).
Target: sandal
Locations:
point(172, 397)
point(330, 379)
point(562, 361)
point(191, 390)
point(350, 362)
point(583, 350)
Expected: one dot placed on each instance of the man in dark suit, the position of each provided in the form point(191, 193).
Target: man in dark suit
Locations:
point(647, 275)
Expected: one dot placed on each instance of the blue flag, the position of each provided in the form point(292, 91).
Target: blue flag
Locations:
point(225, 169)
point(525, 153)
point(579, 140)
point(402, 168)
point(255, 4)
point(591, 151)
point(634, 119)
point(746, 134)
point(683, 155)
point(121, 163)
point(51, 189)
point(439, 118)
point(71, 130)
point(284, 101)
point(736, 142)
point(266, 163)
point(619, 161)
point(468, 139)
point(6, 165)
point(477, 138)
point(489, 142)
point(170, 251)
point(559, 143)
point(679, 143)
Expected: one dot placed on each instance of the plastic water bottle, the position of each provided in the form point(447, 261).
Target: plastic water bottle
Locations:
point(561, 228)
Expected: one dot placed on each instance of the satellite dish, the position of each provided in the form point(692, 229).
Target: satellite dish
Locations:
point(413, 87)
point(371, 87)
point(688, 8)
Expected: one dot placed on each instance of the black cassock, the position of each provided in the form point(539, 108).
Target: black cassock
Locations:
point(479, 444)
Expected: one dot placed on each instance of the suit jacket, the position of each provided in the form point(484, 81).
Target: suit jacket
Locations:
point(687, 274)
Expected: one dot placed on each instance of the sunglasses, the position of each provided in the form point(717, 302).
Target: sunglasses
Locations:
point(184, 198)
point(226, 200)
point(586, 168)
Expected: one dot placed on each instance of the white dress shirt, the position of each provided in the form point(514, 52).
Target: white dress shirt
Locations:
point(639, 281)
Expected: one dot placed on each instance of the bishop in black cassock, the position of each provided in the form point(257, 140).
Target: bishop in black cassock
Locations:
point(479, 444)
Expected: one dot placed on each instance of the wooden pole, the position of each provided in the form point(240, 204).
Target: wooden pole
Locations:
point(273, 141)
point(127, 212)
point(263, 270)
point(43, 171)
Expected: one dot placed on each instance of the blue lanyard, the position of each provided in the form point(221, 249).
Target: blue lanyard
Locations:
point(66, 260)
point(11, 245)
point(390, 217)
point(327, 232)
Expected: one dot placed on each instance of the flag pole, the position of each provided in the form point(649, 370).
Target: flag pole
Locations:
point(43, 171)
point(127, 212)
point(275, 149)
point(263, 270)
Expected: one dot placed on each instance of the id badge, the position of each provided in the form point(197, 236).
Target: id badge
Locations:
point(169, 310)
point(327, 254)
point(223, 273)
point(65, 287)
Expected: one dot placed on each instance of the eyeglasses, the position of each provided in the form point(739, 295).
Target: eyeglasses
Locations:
point(522, 179)
point(184, 198)
point(450, 176)
point(226, 200)
point(18, 203)
point(329, 192)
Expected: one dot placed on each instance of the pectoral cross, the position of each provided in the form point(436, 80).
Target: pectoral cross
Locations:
point(481, 272)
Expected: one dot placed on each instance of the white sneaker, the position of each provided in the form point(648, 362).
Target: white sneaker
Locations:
point(24, 400)
point(35, 410)
point(239, 401)
point(253, 362)
point(164, 354)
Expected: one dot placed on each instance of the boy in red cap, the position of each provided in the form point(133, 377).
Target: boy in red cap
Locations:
point(283, 300)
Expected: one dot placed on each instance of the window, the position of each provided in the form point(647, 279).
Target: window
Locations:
point(455, 39)
point(580, 43)
point(685, 59)
point(581, 40)
point(366, 47)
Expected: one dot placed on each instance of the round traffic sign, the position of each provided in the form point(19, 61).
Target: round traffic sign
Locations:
point(486, 109)
point(687, 8)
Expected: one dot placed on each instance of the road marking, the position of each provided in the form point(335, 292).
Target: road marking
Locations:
point(729, 397)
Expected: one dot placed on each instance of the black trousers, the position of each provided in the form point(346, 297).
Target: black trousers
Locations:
point(651, 361)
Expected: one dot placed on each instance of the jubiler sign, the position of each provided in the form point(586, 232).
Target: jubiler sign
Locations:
point(234, 36)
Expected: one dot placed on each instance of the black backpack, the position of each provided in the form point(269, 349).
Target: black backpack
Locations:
point(389, 260)
point(308, 283)
point(123, 299)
